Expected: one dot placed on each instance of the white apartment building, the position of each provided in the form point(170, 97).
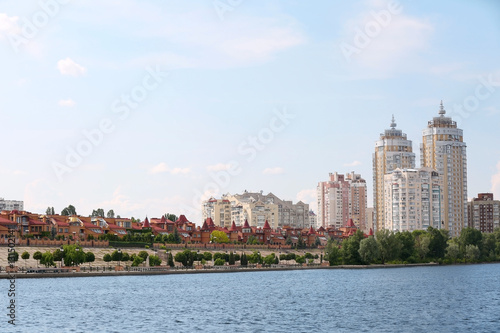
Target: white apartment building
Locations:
point(413, 200)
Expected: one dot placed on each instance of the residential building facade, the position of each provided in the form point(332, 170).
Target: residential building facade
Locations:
point(219, 210)
point(413, 199)
point(11, 204)
point(444, 150)
point(342, 198)
point(483, 213)
point(393, 150)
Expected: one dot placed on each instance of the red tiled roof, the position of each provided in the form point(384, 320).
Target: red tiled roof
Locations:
point(210, 222)
point(5, 221)
point(350, 224)
point(182, 219)
point(163, 219)
point(233, 227)
point(311, 231)
point(371, 232)
point(266, 226)
point(146, 223)
point(35, 222)
point(246, 225)
point(204, 226)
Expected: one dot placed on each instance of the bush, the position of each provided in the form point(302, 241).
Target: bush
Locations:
point(219, 262)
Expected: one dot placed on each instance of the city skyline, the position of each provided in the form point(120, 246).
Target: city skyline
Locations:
point(148, 108)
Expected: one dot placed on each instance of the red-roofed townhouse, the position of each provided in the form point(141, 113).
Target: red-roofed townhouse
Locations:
point(6, 226)
point(233, 233)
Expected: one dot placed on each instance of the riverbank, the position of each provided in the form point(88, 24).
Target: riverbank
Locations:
point(219, 269)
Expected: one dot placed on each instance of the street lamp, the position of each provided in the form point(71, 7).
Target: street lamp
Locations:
point(77, 261)
point(62, 257)
point(198, 257)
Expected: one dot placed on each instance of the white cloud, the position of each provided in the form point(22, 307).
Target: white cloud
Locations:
point(163, 168)
point(273, 171)
point(386, 47)
point(69, 67)
point(196, 37)
point(495, 182)
point(67, 102)
point(8, 25)
point(219, 167)
point(354, 163)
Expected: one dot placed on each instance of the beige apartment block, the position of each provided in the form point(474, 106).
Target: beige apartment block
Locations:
point(342, 198)
point(444, 150)
point(219, 210)
point(392, 151)
point(287, 213)
point(413, 199)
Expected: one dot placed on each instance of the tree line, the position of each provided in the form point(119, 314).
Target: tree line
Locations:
point(419, 246)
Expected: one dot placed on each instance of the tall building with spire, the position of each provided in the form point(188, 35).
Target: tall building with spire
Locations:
point(444, 150)
point(392, 151)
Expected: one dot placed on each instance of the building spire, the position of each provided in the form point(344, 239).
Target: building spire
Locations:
point(442, 111)
point(393, 123)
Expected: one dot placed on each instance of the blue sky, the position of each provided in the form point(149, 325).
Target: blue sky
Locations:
point(145, 107)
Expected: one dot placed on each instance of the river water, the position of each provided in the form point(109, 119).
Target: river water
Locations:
point(463, 298)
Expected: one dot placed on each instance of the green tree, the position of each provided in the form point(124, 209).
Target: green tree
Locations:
point(252, 240)
point(25, 256)
point(207, 256)
point(171, 217)
point(243, 260)
point(438, 243)
point(472, 252)
point(182, 258)
point(154, 261)
point(389, 245)
point(488, 246)
point(89, 257)
point(58, 255)
point(73, 255)
point(13, 257)
point(332, 252)
point(300, 259)
point(137, 261)
point(350, 249)
point(470, 236)
point(47, 259)
point(422, 245)
point(69, 211)
point(219, 262)
point(118, 255)
point(143, 254)
point(37, 256)
point(107, 257)
point(453, 251)
point(369, 250)
point(50, 211)
point(300, 243)
point(219, 237)
point(269, 259)
point(171, 260)
point(231, 258)
point(255, 258)
point(407, 241)
point(110, 214)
